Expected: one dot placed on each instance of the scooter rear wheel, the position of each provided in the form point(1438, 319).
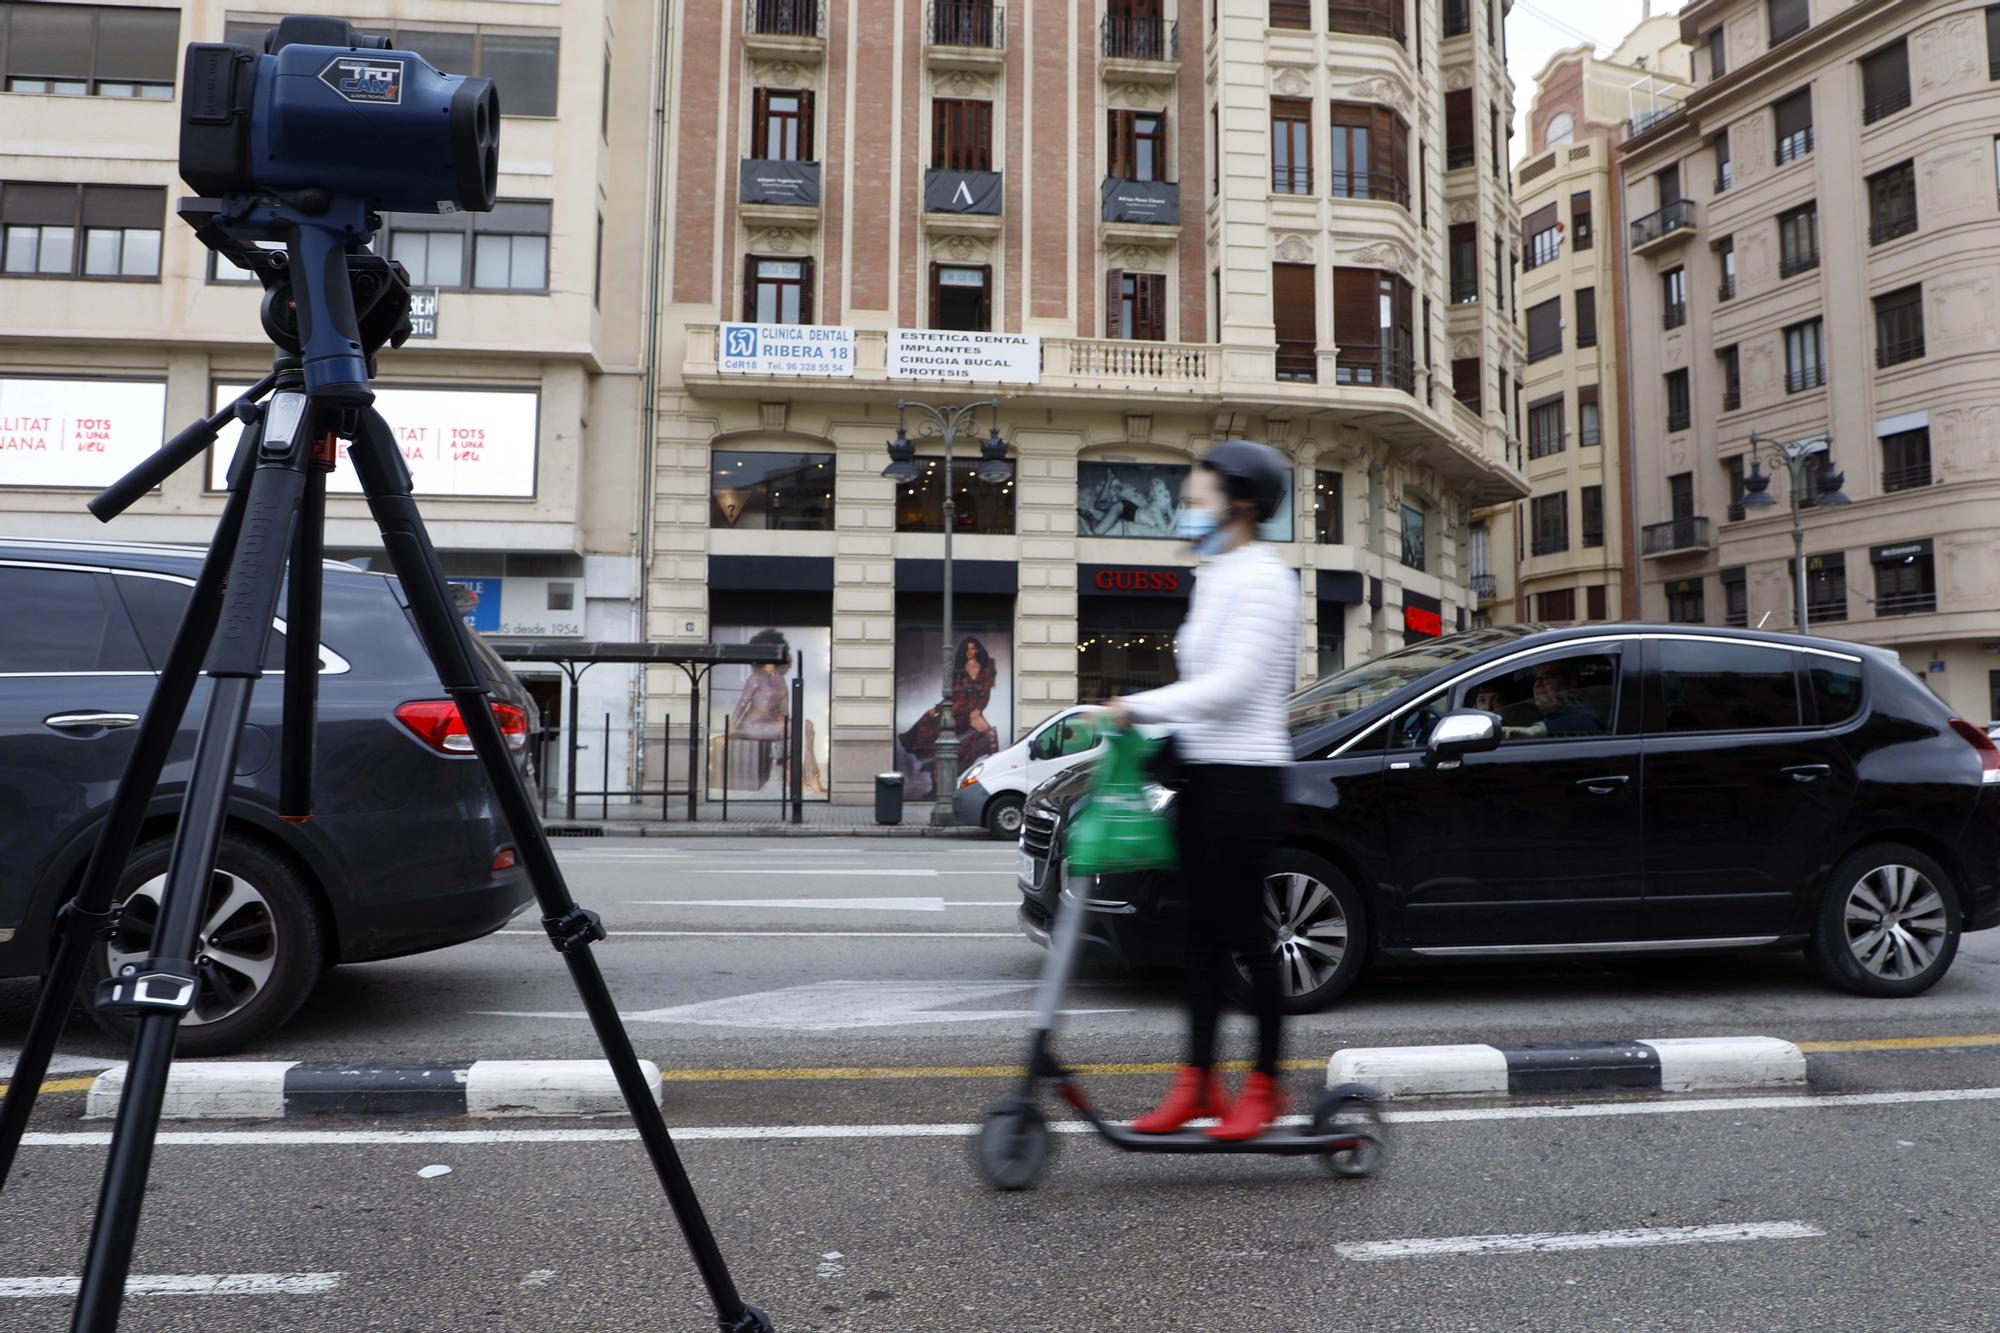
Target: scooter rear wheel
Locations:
point(1013, 1145)
point(1350, 1109)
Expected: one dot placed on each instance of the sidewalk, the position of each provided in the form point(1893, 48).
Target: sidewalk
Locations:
point(766, 819)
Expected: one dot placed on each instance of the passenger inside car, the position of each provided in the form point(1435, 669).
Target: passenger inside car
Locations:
point(1549, 700)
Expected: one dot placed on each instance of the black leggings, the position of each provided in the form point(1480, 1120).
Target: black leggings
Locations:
point(1228, 823)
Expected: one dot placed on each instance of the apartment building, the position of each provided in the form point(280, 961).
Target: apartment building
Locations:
point(1140, 226)
point(1566, 546)
point(1824, 209)
point(521, 401)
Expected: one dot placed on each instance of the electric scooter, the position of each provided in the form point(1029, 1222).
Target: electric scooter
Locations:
point(1345, 1132)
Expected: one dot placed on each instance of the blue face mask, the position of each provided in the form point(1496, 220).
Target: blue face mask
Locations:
point(1201, 529)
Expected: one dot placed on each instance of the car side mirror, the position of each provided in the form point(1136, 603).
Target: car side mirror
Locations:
point(1463, 732)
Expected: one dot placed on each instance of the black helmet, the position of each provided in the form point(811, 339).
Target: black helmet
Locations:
point(1251, 471)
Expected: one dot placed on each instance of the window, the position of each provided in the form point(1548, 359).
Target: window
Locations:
point(1464, 262)
point(961, 134)
point(79, 625)
point(1805, 357)
point(1680, 495)
point(1826, 586)
point(1709, 686)
point(1328, 522)
point(1789, 18)
point(1294, 304)
point(90, 50)
point(1459, 148)
point(597, 266)
point(1589, 426)
point(1892, 203)
point(1735, 598)
point(1725, 175)
point(1993, 72)
point(1135, 306)
point(1679, 413)
point(1370, 18)
point(1795, 126)
point(1549, 519)
point(1291, 14)
point(1885, 82)
point(1718, 54)
point(1544, 232)
point(1493, 136)
point(1684, 602)
point(1667, 185)
point(508, 247)
point(1586, 317)
point(1556, 606)
point(1906, 459)
point(1215, 149)
point(1732, 471)
point(1479, 560)
point(1593, 524)
point(777, 290)
point(1798, 240)
point(1674, 297)
point(226, 270)
point(1905, 579)
point(1596, 610)
point(1514, 282)
point(1732, 377)
point(1128, 499)
point(982, 506)
point(1413, 536)
point(1424, 185)
point(1836, 690)
point(119, 226)
point(521, 65)
point(1545, 427)
point(1725, 259)
point(779, 492)
point(1562, 697)
point(604, 100)
point(1457, 17)
point(1371, 325)
point(1371, 153)
point(1899, 326)
point(1291, 145)
point(1545, 337)
point(1137, 145)
point(962, 297)
point(1560, 132)
point(781, 125)
point(1499, 275)
point(1468, 382)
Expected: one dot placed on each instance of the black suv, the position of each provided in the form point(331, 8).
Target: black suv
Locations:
point(1602, 789)
point(405, 850)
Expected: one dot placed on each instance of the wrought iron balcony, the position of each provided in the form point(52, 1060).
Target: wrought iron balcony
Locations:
point(1906, 603)
point(1907, 477)
point(1383, 185)
point(1677, 536)
point(1805, 377)
point(1901, 345)
point(1797, 144)
point(1888, 106)
point(784, 18)
point(1802, 261)
point(974, 24)
point(1900, 222)
point(1485, 587)
point(1674, 222)
point(1141, 37)
point(1676, 315)
point(1726, 290)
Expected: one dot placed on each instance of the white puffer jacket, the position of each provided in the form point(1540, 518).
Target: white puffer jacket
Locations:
point(1238, 656)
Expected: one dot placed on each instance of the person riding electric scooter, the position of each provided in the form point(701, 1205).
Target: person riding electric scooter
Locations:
point(1238, 658)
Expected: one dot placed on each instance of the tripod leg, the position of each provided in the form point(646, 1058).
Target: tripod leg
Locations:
point(302, 607)
point(81, 923)
point(570, 927)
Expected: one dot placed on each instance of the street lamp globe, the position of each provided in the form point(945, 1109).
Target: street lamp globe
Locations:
point(902, 467)
point(993, 465)
point(1757, 488)
point(1830, 482)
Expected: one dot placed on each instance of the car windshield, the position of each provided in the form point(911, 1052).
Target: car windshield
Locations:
point(1350, 691)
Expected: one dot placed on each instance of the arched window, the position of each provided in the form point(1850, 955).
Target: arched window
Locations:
point(1561, 130)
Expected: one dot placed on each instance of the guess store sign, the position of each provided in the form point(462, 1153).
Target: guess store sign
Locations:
point(1133, 581)
point(1423, 617)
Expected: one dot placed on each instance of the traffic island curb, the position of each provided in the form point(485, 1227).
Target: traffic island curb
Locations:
point(302, 1090)
point(1661, 1064)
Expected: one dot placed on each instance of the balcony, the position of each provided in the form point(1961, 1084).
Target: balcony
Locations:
point(1898, 222)
point(1549, 543)
point(1907, 477)
point(1797, 144)
point(1675, 537)
point(1485, 587)
point(1885, 108)
point(1675, 316)
point(1805, 377)
point(1726, 290)
point(1383, 185)
point(793, 28)
point(1647, 121)
point(965, 34)
point(1663, 226)
point(1899, 345)
point(1725, 180)
point(1146, 41)
point(1798, 261)
point(1732, 398)
point(1679, 421)
point(1366, 365)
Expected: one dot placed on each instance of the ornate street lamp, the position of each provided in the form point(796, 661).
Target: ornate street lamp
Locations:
point(1792, 456)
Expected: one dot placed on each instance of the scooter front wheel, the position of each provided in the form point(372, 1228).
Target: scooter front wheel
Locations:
point(1350, 1109)
point(1013, 1144)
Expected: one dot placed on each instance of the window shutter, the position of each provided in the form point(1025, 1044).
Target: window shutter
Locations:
point(1539, 221)
point(749, 289)
point(806, 290)
point(1794, 114)
point(1113, 284)
point(1149, 294)
point(934, 293)
point(807, 153)
point(1357, 316)
point(760, 122)
point(1292, 302)
point(986, 297)
point(982, 119)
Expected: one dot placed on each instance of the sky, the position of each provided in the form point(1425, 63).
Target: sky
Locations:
point(1537, 29)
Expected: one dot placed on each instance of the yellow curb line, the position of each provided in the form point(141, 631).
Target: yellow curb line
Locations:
point(1902, 1043)
point(64, 1084)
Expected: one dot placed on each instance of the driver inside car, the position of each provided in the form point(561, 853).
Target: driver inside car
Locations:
point(1563, 709)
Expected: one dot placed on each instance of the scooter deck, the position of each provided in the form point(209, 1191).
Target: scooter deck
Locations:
point(1282, 1142)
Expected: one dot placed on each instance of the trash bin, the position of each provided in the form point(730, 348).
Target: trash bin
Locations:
point(888, 798)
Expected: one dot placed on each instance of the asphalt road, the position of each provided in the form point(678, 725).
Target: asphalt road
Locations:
point(871, 1033)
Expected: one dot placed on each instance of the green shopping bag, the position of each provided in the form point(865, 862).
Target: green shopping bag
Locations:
point(1117, 830)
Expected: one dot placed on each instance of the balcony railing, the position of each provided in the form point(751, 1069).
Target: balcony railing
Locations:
point(1824, 610)
point(1141, 37)
point(1374, 366)
point(1798, 262)
point(1298, 362)
point(1291, 179)
point(1901, 345)
point(1907, 477)
point(1675, 316)
point(1797, 144)
point(1383, 185)
point(1464, 291)
point(1888, 106)
point(978, 24)
point(1485, 587)
point(1900, 222)
point(1381, 18)
point(1648, 120)
point(784, 18)
point(1723, 181)
point(1726, 290)
point(1548, 543)
point(1159, 363)
point(1458, 155)
point(1675, 535)
point(1906, 603)
point(1662, 223)
point(1681, 420)
point(1807, 377)
point(1732, 398)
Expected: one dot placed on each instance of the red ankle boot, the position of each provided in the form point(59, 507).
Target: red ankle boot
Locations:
point(1260, 1102)
point(1194, 1094)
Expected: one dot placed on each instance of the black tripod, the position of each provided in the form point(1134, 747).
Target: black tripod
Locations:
point(273, 517)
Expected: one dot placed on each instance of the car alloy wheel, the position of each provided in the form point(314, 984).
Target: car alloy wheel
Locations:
point(235, 951)
point(1310, 930)
point(1896, 922)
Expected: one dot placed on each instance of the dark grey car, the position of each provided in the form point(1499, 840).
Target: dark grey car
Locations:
point(404, 851)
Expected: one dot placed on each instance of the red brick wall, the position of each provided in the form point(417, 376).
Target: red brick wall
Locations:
point(1563, 91)
point(1049, 230)
point(835, 182)
point(1191, 122)
point(1089, 126)
point(700, 94)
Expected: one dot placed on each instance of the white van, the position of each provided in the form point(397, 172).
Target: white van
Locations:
point(992, 791)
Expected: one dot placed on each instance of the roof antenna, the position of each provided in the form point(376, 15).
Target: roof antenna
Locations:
point(1761, 619)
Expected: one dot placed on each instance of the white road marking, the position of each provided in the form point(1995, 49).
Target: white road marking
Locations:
point(871, 871)
point(823, 904)
point(183, 1284)
point(833, 1006)
point(616, 933)
point(58, 1065)
point(328, 1138)
point(1546, 1242)
point(538, 1278)
point(433, 1172)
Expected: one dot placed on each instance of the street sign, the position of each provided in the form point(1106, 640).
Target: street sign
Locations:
point(423, 312)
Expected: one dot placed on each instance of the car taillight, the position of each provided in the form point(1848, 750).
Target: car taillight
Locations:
point(1989, 753)
point(502, 860)
point(436, 722)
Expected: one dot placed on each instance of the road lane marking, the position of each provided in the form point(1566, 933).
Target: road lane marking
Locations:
point(183, 1284)
point(841, 1073)
point(832, 1006)
point(614, 932)
point(1548, 1242)
point(333, 1138)
point(926, 872)
point(828, 904)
